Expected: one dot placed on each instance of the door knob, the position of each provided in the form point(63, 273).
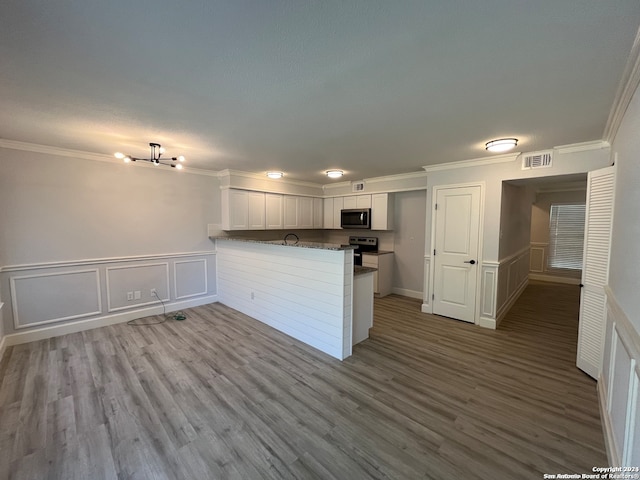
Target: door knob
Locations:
point(472, 262)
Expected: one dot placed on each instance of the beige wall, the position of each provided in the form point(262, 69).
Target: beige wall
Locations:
point(60, 208)
point(515, 218)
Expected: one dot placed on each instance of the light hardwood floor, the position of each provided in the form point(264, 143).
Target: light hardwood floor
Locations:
point(221, 395)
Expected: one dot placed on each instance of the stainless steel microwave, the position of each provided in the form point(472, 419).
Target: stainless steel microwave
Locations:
point(355, 218)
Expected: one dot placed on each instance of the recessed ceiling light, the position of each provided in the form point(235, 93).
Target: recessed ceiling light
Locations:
point(334, 173)
point(501, 144)
point(275, 174)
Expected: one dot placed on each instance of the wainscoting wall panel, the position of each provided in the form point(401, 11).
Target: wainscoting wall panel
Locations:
point(50, 299)
point(426, 295)
point(137, 278)
point(619, 387)
point(488, 289)
point(538, 261)
point(513, 278)
point(43, 298)
point(190, 278)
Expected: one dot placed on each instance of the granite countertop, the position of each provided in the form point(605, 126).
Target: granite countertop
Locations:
point(379, 252)
point(290, 243)
point(359, 270)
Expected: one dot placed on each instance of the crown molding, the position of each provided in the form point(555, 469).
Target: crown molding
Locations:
point(582, 147)
point(628, 85)
point(263, 177)
point(399, 176)
point(96, 157)
point(474, 162)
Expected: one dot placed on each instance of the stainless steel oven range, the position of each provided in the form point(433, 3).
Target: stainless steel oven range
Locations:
point(362, 244)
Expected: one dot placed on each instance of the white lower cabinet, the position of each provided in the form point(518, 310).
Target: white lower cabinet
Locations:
point(382, 279)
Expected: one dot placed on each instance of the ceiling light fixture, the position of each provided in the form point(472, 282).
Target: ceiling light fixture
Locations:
point(501, 144)
point(275, 174)
point(334, 173)
point(155, 157)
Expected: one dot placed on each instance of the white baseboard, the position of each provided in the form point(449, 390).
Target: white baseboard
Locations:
point(487, 322)
point(79, 326)
point(407, 293)
point(426, 308)
point(554, 279)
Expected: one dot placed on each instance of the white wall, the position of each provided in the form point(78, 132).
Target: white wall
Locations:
point(77, 235)
point(515, 232)
point(619, 385)
point(566, 160)
point(409, 230)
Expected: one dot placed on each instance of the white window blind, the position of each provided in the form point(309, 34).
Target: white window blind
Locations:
point(566, 237)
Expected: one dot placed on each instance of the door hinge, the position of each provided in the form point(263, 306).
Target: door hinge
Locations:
point(433, 296)
point(434, 252)
point(436, 206)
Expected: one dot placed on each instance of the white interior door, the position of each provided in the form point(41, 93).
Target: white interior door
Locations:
point(457, 228)
point(595, 269)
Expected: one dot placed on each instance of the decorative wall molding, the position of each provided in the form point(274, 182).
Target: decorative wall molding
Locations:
point(628, 85)
point(513, 278)
point(45, 308)
point(228, 173)
point(177, 283)
point(489, 279)
point(619, 386)
point(89, 324)
point(474, 162)
point(427, 306)
point(582, 147)
point(103, 290)
point(3, 343)
point(98, 261)
point(141, 284)
point(538, 258)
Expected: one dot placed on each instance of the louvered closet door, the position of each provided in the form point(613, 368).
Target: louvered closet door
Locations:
point(595, 269)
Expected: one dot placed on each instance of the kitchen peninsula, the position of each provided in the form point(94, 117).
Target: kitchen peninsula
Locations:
point(306, 290)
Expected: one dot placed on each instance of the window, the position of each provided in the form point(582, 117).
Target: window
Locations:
point(566, 237)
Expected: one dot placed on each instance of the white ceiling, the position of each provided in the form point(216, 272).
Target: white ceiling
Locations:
point(371, 87)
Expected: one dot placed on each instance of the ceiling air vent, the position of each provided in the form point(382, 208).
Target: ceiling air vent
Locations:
point(357, 186)
point(536, 160)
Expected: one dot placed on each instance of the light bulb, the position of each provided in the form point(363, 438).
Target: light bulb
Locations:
point(334, 173)
point(275, 174)
point(178, 166)
point(127, 159)
point(162, 150)
point(118, 155)
point(181, 158)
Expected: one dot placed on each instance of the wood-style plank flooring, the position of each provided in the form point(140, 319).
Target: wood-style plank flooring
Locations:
point(221, 395)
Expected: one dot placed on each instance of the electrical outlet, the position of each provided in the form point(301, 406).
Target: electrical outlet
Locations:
point(129, 296)
point(137, 295)
point(153, 292)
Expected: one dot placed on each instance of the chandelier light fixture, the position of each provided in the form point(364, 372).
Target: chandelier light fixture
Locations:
point(155, 157)
point(501, 144)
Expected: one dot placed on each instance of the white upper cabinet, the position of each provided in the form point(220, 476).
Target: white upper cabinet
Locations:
point(328, 213)
point(242, 210)
point(305, 212)
point(256, 211)
point(291, 216)
point(318, 210)
point(274, 211)
point(338, 205)
point(382, 211)
point(357, 201)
